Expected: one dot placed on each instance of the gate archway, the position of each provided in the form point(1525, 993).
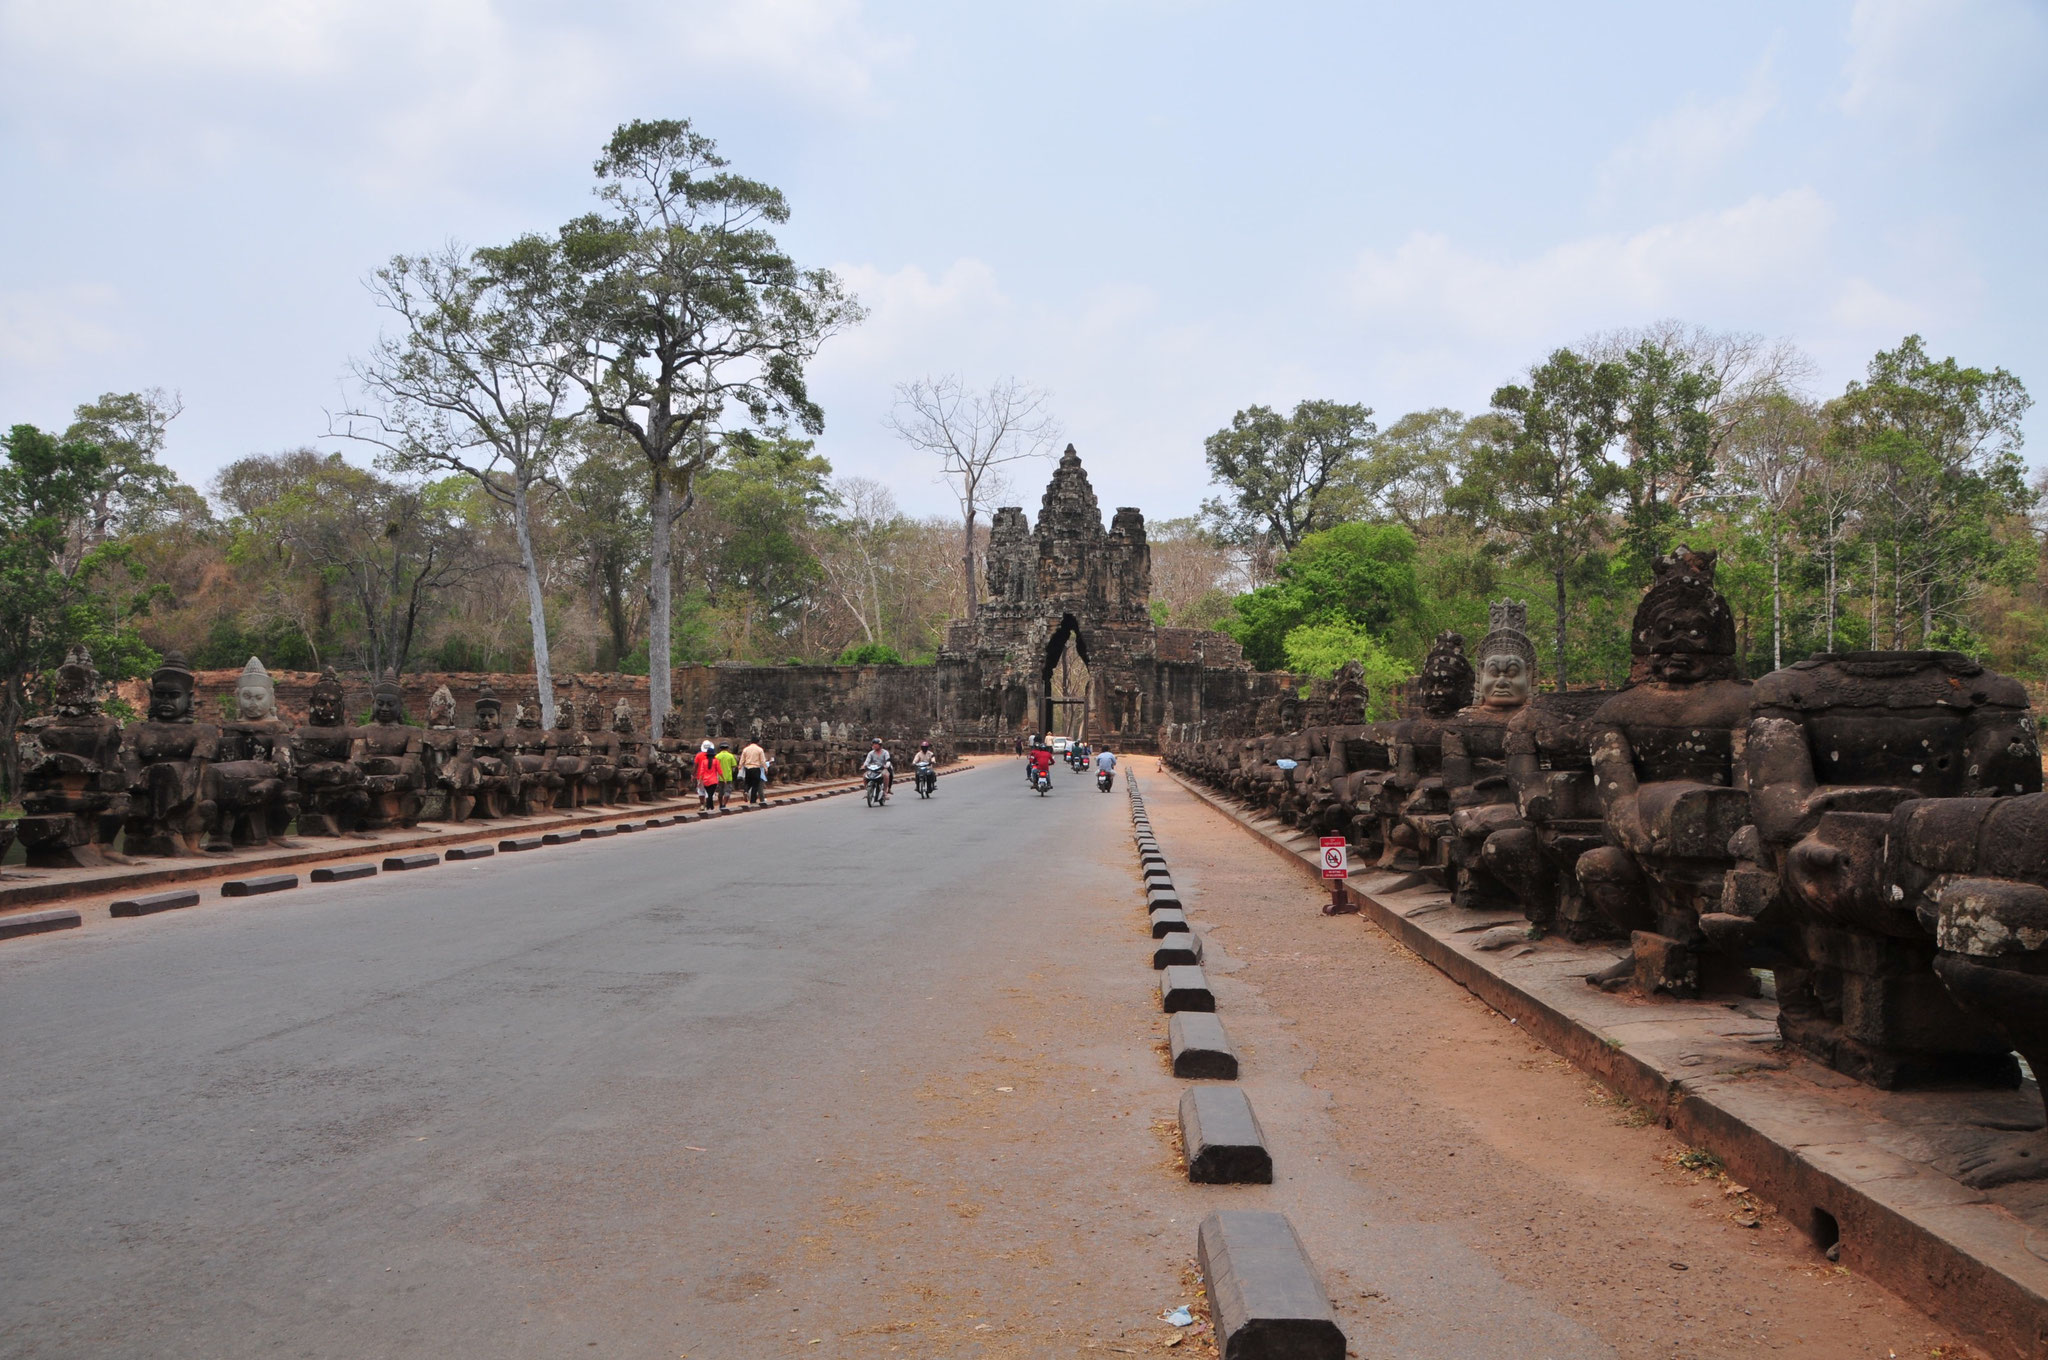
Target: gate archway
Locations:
point(1063, 711)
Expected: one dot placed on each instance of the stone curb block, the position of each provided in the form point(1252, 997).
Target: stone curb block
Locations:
point(1168, 921)
point(627, 826)
point(1222, 1138)
point(39, 922)
point(1200, 1047)
point(1177, 947)
point(1266, 1299)
point(518, 843)
point(397, 862)
point(1158, 878)
point(1185, 988)
point(591, 833)
point(150, 903)
point(561, 838)
point(462, 852)
point(342, 873)
point(1162, 897)
point(260, 884)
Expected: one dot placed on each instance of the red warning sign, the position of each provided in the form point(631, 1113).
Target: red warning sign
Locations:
point(1336, 857)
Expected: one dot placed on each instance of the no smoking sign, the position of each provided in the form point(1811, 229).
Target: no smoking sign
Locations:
point(1336, 857)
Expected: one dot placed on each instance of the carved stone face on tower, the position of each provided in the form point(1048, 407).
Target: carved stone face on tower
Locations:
point(255, 696)
point(170, 690)
point(1446, 682)
point(1507, 659)
point(1684, 631)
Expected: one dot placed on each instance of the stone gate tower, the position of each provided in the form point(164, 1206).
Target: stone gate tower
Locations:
point(1070, 582)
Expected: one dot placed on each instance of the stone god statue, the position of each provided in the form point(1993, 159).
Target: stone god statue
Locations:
point(636, 766)
point(1414, 791)
point(74, 790)
point(1475, 773)
point(391, 757)
point(255, 796)
point(672, 754)
point(571, 756)
point(533, 756)
point(440, 751)
point(167, 755)
point(601, 754)
point(484, 780)
point(1836, 742)
point(332, 791)
point(1671, 783)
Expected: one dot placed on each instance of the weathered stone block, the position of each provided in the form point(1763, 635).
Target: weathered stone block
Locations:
point(1185, 988)
point(38, 922)
point(1200, 1047)
point(1222, 1138)
point(1264, 1295)
point(1167, 921)
point(342, 873)
point(561, 838)
point(260, 884)
point(150, 903)
point(1180, 946)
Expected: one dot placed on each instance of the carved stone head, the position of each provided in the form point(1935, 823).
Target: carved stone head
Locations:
point(78, 686)
point(622, 717)
point(1507, 659)
point(1684, 632)
point(489, 711)
point(527, 715)
point(170, 690)
point(387, 701)
point(565, 716)
point(441, 708)
point(255, 695)
point(593, 716)
point(1445, 685)
point(1348, 694)
point(326, 704)
point(672, 724)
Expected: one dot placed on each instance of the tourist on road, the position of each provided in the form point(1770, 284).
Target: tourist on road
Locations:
point(1105, 767)
point(1041, 763)
point(707, 775)
point(728, 770)
point(878, 759)
point(754, 769)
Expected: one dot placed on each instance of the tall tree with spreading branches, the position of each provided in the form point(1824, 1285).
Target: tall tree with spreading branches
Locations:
point(974, 435)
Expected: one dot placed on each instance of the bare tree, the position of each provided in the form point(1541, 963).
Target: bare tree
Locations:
point(1770, 454)
point(1746, 369)
point(853, 550)
point(471, 384)
point(973, 434)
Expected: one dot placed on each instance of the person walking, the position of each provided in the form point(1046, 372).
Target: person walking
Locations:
point(728, 767)
point(754, 769)
point(707, 775)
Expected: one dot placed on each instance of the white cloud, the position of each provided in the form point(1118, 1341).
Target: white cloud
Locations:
point(1669, 159)
point(1922, 64)
point(44, 328)
point(1430, 287)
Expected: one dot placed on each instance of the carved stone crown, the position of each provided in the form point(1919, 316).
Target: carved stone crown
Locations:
point(1508, 625)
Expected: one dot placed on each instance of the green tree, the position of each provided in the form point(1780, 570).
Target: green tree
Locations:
point(1668, 441)
point(684, 314)
point(135, 492)
point(1360, 575)
point(473, 383)
point(51, 595)
point(1544, 480)
point(1278, 469)
point(745, 546)
point(1939, 444)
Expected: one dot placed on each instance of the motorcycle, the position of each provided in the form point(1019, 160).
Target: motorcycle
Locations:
point(878, 792)
point(1105, 778)
point(1042, 782)
point(927, 781)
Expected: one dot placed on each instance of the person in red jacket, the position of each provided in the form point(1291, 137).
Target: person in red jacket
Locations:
point(707, 775)
point(1041, 763)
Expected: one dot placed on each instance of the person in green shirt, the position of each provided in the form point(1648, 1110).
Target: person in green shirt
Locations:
point(727, 764)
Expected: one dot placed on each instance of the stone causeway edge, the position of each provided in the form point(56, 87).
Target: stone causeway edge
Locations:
point(1952, 1252)
point(62, 885)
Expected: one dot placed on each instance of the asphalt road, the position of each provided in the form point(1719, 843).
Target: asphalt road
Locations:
point(493, 1107)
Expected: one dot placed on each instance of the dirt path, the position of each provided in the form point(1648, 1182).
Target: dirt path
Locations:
point(1457, 1119)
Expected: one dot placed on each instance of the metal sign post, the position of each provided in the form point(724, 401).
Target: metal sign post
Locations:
point(1337, 868)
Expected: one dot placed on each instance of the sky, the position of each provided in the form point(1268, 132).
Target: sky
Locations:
point(1160, 211)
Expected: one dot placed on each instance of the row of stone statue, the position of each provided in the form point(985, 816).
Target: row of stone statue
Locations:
point(1868, 826)
point(173, 785)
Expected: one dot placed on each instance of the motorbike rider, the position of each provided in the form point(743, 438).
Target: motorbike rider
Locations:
point(1041, 763)
point(1105, 764)
point(878, 759)
point(925, 758)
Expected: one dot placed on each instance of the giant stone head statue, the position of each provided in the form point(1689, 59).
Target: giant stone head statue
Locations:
point(1684, 631)
point(78, 686)
point(593, 716)
point(622, 717)
point(488, 708)
point(1445, 685)
point(1507, 659)
point(565, 716)
point(325, 705)
point(387, 701)
point(170, 690)
point(672, 723)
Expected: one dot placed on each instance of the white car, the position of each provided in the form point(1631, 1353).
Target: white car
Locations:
point(1062, 745)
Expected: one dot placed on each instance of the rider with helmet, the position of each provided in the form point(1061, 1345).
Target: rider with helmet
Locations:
point(925, 759)
point(878, 759)
point(1041, 762)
